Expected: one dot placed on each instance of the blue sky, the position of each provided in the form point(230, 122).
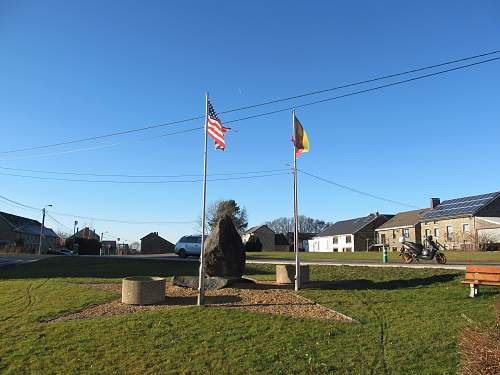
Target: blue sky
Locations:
point(75, 69)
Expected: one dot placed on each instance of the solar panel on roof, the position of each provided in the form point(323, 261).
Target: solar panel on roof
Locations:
point(460, 206)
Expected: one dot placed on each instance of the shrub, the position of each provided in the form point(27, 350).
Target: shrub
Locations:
point(253, 244)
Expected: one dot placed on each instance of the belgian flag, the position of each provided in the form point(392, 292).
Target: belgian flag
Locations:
point(300, 139)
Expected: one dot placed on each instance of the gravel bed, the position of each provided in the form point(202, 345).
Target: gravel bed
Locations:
point(263, 297)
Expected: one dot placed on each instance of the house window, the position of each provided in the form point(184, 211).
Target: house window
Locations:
point(427, 233)
point(436, 232)
point(465, 228)
point(393, 234)
point(348, 239)
point(406, 233)
point(450, 235)
point(382, 238)
point(335, 240)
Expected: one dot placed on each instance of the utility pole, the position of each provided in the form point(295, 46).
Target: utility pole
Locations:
point(102, 248)
point(74, 234)
point(41, 229)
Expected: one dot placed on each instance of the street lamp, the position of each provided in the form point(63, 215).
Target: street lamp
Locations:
point(102, 248)
point(42, 228)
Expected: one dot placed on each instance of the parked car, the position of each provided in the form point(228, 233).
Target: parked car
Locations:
point(65, 252)
point(188, 245)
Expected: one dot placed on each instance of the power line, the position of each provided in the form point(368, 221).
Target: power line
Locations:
point(361, 82)
point(142, 176)
point(361, 91)
point(103, 146)
point(149, 182)
point(356, 190)
point(57, 221)
point(19, 204)
point(194, 118)
point(275, 111)
point(119, 221)
point(93, 218)
point(124, 132)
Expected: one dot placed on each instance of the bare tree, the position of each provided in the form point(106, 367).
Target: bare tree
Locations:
point(218, 209)
point(135, 246)
point(485, 240)
point(306, 225)
point(62, 237)
point(482, 241)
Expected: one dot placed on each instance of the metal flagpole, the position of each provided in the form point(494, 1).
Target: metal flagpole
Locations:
point(295, 210)
point(201, 280)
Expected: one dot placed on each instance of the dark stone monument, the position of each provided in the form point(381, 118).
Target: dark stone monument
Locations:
point(224, 254)
point(224, 259)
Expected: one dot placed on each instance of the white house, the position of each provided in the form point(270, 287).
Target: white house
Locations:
point(348, 235)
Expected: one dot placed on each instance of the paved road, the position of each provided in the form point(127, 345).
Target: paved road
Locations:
point(324, 262)
point(358, 263)
point(11, 260)
point(20, 259)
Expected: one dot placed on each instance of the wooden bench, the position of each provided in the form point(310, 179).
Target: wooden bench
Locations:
point(481, 275)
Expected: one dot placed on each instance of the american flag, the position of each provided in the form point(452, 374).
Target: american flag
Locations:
point(215, 128)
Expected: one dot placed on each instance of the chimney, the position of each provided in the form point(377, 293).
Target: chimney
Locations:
point(435, 202)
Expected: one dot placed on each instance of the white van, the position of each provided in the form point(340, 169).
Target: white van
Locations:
point(188, 245)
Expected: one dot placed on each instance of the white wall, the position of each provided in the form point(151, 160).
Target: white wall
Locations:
point(494, 233)
point(326, 245)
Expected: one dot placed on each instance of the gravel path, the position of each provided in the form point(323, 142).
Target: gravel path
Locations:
point(261, 297)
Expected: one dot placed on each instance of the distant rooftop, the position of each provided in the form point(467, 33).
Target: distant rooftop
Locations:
point(254, 229)
point(405, 219)
point(350, 226)
point(26, 225)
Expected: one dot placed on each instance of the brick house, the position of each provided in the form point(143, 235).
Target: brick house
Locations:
point(405, 224)
point(264, 234)
point(348, 235)
point(154, 244)
point(23, 234)
point(87, 234)
point(455, 223)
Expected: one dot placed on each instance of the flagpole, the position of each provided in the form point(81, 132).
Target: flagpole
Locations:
point(201, 280)
point(295, 210)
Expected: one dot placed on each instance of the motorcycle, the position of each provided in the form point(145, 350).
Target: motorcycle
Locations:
point(411, 251)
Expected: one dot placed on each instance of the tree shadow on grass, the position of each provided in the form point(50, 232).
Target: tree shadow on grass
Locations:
point(95, 267)
point(261, 270)
point(364, 284)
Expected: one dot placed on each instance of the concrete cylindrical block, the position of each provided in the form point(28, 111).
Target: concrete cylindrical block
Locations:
point(143, 290)
point(285, 274)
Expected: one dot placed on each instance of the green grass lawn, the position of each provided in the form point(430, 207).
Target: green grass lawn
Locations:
point(409, 321)
point(457, 256)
